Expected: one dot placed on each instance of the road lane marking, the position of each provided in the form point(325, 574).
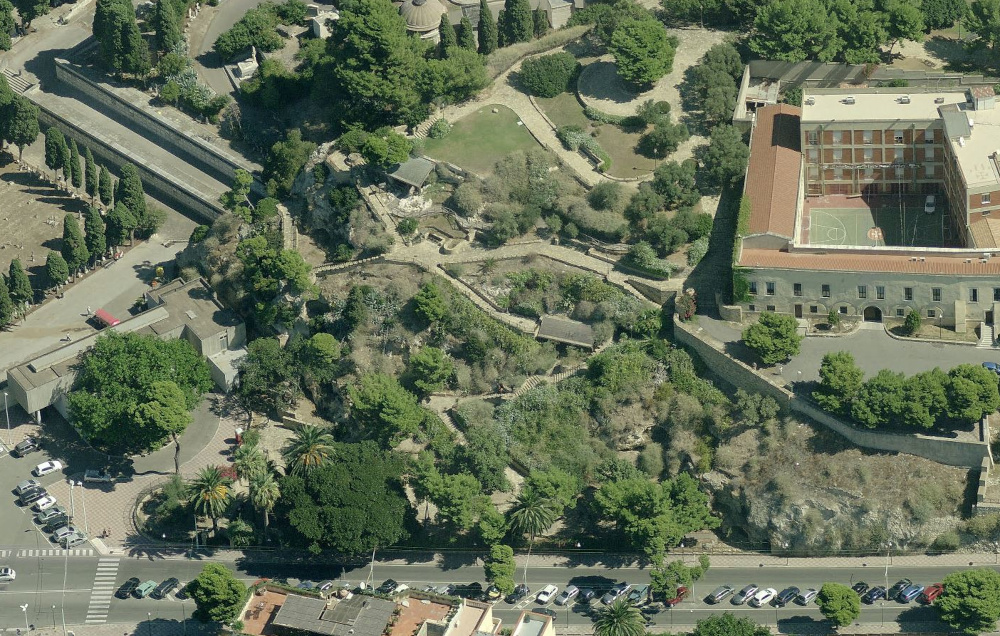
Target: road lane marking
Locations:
point(103, 590)
point(75, 552)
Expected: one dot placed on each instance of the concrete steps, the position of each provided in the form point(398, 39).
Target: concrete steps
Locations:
point(986, 338)
point(17, 82)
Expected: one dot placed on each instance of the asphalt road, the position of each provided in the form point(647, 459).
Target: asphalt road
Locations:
point(67, 583)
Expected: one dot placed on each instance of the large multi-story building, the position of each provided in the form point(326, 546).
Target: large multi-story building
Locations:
point(879, 152)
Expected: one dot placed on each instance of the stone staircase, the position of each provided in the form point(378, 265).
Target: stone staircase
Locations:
point(420, 132)
point(17, 82)
point(987, 338)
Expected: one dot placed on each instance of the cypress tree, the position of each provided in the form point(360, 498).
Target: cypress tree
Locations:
point(518, 24)
point(6, 305)
point(501, 29)
point(167, 25)
point(74, 248)
point(19, 285)
point(129, 192)
point(541, 22)
point(54, 143)
point(23, 124)
point(90, 173)
point(448, 37)
point(93, 225)
point(76, 174)
point(56, 270)
point(465, 35)
point(487, 29)
point(120, 225)
point(105, 187)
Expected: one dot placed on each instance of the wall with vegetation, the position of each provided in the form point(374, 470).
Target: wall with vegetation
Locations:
point(951, 452)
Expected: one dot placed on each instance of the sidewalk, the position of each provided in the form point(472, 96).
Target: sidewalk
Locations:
point(146, 628)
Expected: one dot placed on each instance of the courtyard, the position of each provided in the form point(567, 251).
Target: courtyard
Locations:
point(875, 221)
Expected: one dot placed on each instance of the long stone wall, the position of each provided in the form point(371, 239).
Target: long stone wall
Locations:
point(206, 156)
point(155, 182)
point(967, 454)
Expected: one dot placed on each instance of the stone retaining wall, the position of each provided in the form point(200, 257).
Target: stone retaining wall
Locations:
point(952, 452)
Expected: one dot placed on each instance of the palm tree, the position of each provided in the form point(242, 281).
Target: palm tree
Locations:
point(311, 447)
point(211, 494)
point(248, 460)
point(531, 515)
point(264, 494)
point(621, 618)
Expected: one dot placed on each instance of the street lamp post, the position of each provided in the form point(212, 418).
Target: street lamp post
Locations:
point(83, 502)
point(53, 617)
point(785, 545)
point(24, 609)
point(888, 561)
point(7, 413)
point(149, 623)
point(72, 503)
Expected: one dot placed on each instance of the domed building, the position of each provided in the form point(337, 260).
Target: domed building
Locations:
point(423, 17)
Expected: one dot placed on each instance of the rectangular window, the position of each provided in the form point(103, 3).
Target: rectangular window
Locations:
point(814, 309)
point(813, 172)
point(812, 155)
point(843, 309)
point(797, 289)
point(868, 155)
point(754, 308)
point(996, 294)
point(813, 137)
point(929, 137)
point(862, 291)
point(984, 198)
point(897, 136)
point(866, 136)
point(825, 291)
point(907, 293)
point(770, 288)
point(931, 313)
point(753, 288)
point(936, 294)
point(880, 292)
point(869, 173)
point(928, 154)
point(899, 312)
point(929, 170)
point(838, 156)
point(899, 171)
point(770, 307)
point(973, 295)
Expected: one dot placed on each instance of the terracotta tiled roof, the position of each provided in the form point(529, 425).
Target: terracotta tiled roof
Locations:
point(863, 262)
point(772, 182)
point(982, 91)
point(985, 232)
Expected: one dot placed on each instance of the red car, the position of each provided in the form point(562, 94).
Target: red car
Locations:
point(682, 593)
point(930, 593)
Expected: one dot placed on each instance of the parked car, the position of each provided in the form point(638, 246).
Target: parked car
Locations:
point(719, 594)
point(492, 594)
point(638, 595)
point(25, 486)
point(32, 496)
point(930, 594)
point(47, 468)
point(586, 595)
point(73, 540)
point(860, 588)
point(98, 476)
point(44, 503)
point(567, 595)
point(56, 523)
point(127, 588)
point(874, 594)
point(682, 593)
point(992, 366)
point(26, 446)
point(930, 204)
point(547, 611)
point(387, 587)
point(786, 596)
point(325, 588)
point(7, 575)
point(520, 592)
point(545, 594)
point(143, 590)
point(614, 593)
point(898, 587)
point(306, 585)
point(909, 593)
point(763, 597)
point(744, 594)
point(45, 516)
point(469, 590)
point(807, 597)
point(166, 587)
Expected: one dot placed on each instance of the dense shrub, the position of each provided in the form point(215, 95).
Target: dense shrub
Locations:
point(548, 75)
point(642, 256)
point(697, 251)
point(439, 129)
point(258, 27)
point(466, 199)
point(573, 138)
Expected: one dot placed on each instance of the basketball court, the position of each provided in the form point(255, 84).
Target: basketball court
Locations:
point(877, 221)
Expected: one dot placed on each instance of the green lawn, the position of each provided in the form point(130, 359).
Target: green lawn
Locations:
point(476, 142)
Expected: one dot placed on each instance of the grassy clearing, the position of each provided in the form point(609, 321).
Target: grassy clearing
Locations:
point(933, 331)
point(479, 140)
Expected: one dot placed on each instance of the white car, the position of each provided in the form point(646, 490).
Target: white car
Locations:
point(7, 575)
point(44, 503)
point(546, 594)
point(63, 532)
point(763, 597)
point(47, 467)
point(930, 204)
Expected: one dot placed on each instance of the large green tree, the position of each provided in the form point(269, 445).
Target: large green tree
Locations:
point(119, 375)
point(971, 600)
point(449, 38)
point(620, 618)
point(972, 393)
point(105, 187)
point(268, 381)
point(839, 604)
point(90, 174)
point(795, 30)
point(54, 154)
point(211, 493)
point(518, 24)
point(122, 47)
point(6, 24)
point(840, 380)
point(164, 410)
point(500, 567)
point(74, 247)
point(643, 52)
point(75, 171)
point(727, 624)
point(351, 505)
point(56, 270)
point(466, 35)
point(22, 127)
point(880, 400)
point(7, 309)
point(167, 26)
point(95, 240)
point(31, 9)
point(531, 515)
point(119, 225)
point(774, 337)
point(904, 21)
point(724, 160)
point(382, 410)
point(19, 285)
point(264, 494)
point(487, 29)
point(310, 448)
point(284, 162)
point(428, 370)
point(984, 20)
point(129, 192)
point(218, 595)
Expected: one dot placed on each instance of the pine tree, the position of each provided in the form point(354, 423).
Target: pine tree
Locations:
point(19, 285)
point(487, 29)
point(93, 225)
point(7, 310)
point(518, 24)
point(167, 25)
point(105, 187)
point(448, 36)
point(74, 248)
point(90, 173)
point(54, 142)
point(76, 174)
point(465, 35)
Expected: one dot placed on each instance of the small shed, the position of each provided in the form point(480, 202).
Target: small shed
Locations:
point(566, 331)
point(983, 97)
point(412, 173)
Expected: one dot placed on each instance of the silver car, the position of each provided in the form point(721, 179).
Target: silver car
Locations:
point(567, 595)
point(75, 539)
point(64, 532)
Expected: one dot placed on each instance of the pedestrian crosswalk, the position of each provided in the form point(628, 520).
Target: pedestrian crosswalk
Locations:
point(103, 590)
point(4, 554)
point(55, 552)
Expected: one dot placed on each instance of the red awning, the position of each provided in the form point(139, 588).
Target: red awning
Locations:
point(106, 318)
